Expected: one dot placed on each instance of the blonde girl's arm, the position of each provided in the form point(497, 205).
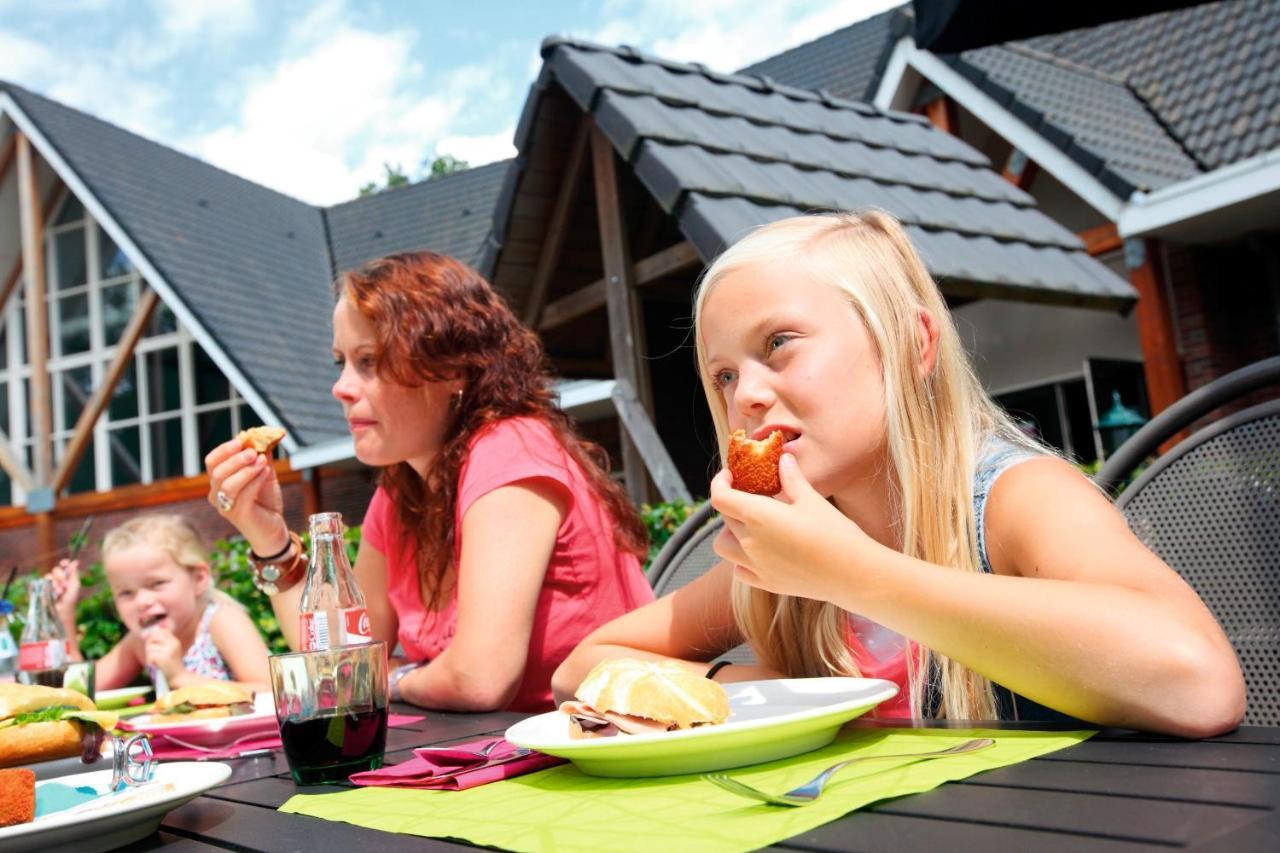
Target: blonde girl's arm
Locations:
point(1079, 615)
point(120, 666)
point(241, 646)
point(508, 536)
point(694, 624)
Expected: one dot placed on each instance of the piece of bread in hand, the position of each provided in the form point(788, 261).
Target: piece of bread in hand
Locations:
point(17, 796)
point(261, 438)
point(754, 464)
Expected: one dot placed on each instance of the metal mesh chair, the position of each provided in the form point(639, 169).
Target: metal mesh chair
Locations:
point(689, 554)
point(1210, 508)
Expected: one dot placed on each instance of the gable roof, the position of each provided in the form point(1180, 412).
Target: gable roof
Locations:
point(725, 153)
point(451, 214)
point(847, 63)
point(248, 270)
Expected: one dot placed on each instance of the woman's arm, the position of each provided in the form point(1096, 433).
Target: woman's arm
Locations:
point(1079, 615)
point(241, 647)
point(694, 624)
point(507, 539)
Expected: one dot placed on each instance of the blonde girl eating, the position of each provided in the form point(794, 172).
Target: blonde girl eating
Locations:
point(919, 535)
point(179, 629)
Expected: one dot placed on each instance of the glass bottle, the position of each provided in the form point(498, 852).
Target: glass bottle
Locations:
point(332, 608)
point(8, 649)
point(43, 650)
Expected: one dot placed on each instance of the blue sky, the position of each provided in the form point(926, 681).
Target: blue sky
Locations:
point(312, 98)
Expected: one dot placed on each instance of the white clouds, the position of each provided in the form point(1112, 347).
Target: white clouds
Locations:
point(318, 125)
point(207, 18)
point(478, 150)
point(725, 34)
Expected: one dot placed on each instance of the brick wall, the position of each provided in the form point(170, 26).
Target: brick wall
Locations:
point(1226, 311)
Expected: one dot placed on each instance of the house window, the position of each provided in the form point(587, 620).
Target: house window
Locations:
point(171, 403)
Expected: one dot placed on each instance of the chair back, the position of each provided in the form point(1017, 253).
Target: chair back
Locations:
point(688, 555)
point(1210, 508)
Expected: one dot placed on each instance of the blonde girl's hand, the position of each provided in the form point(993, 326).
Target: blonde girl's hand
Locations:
point(162, 649)
point(243, 488)
point(66, 591)
point(795, 543)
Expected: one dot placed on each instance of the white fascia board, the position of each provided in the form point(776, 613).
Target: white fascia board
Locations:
point(143, 264)
point(894, 71)
point(1257, 176)
point(1012, 129)
point(585, 393)
point(324, 453)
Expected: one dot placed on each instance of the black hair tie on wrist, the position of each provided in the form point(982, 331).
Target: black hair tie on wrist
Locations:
point(717, 666)
point(288, 543)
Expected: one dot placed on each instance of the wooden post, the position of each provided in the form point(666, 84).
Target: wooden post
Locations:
point(1161, 363)
point(37, 312)
point(93, 409)
point(592, 296)
point(626, 333)
point(312, 499)
point(549, 258)
point(15, 271)
point(46, 540)
point(941, 112)
point(648, 443)
point(1101, 239)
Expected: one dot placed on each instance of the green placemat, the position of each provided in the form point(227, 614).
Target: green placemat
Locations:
point(564, 809)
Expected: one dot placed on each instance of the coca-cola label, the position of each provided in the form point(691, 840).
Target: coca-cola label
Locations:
point(314, 634)
point(355, 626)
point(44, 654)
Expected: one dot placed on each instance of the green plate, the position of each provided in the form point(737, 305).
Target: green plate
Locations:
point(110, 700)
point(768, 720)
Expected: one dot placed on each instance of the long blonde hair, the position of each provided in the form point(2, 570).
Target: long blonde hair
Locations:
point(935, 426)
point(173, 535)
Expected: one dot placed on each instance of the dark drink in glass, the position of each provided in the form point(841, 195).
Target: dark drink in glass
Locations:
point(331, 748)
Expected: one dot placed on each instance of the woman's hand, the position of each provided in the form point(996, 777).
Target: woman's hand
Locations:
point(796, 543)
point(247, 480)
point(66, 592)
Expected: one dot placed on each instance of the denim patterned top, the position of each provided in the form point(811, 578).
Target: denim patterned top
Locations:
point(997, 456)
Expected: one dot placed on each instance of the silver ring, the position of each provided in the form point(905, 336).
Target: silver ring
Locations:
point(224, 502)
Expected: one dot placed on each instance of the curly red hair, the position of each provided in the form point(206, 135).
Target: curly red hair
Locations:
point(436, 319)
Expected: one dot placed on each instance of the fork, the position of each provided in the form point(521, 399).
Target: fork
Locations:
point(811, 790)
point(452, 754)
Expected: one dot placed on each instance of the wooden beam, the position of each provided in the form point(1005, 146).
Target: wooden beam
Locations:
point(6, 155)
point(13, 466)
point(15, 272)
point(1102, 239)
point(941, 112)
point(587, 299)
point(640, 429)
point(549, 258)
point(1161, 364)
point(626, 332)
point(102, 395)
point(46, 538)
point(37, 312)
point(1020, 170)
point(582, 368)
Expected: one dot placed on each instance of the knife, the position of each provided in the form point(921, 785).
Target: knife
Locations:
point(522, 752)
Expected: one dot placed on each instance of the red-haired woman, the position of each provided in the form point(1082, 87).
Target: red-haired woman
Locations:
point(496, 540)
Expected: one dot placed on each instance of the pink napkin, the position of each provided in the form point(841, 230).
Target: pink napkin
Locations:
point(445, 773)
point(167, 749)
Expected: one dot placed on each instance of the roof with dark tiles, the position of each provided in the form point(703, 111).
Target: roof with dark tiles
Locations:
point(725, 153)
point(253, 266)
point(848, 62)
point(451, 214)
point(1140, 103)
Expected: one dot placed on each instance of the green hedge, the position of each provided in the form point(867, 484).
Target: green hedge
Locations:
point(100, 626)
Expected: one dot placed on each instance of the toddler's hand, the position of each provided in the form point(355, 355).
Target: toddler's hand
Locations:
point(66, 590)
point(796, 543)
point(163, 651)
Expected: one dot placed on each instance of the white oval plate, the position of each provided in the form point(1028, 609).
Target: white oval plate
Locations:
point(113, 821)
point(768, 720)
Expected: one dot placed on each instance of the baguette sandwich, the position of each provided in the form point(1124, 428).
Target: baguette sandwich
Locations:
point(202, 702)
point(631, 697)
point(43, 723)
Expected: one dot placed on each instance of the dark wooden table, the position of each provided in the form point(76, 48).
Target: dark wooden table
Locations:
point(1116, 791)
